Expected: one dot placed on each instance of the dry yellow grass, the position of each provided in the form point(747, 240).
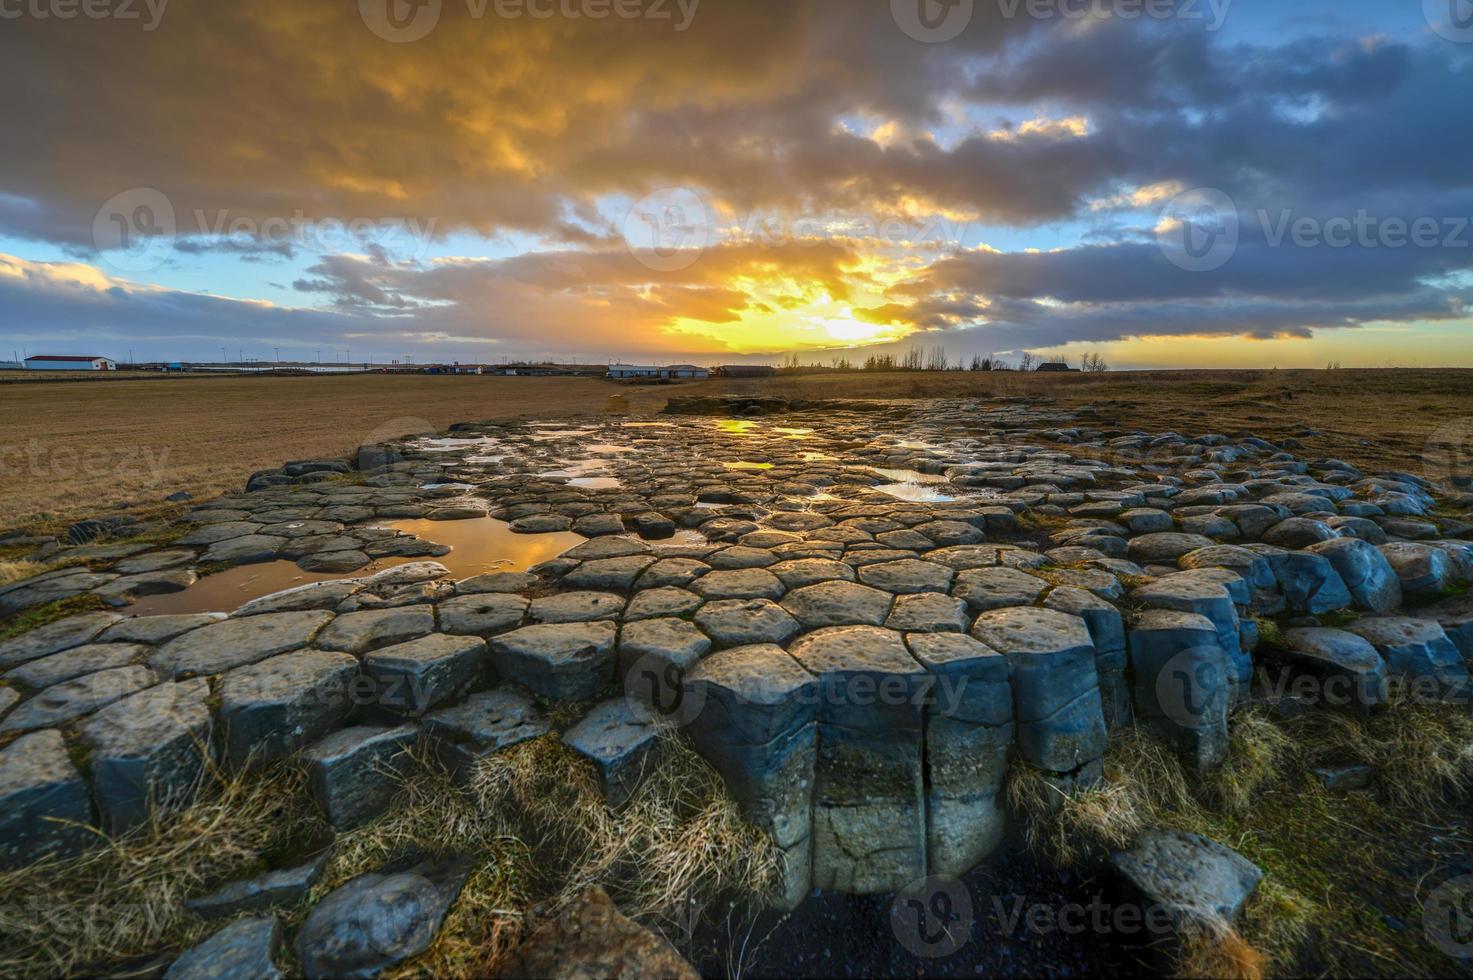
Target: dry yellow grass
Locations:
point(14, 571)
point(533, 821)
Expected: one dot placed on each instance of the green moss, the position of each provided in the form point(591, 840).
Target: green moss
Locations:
point(39, 616)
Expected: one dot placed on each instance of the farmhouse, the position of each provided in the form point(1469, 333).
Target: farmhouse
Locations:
point(627, 371)
point(69, 362)
point(1056, 367)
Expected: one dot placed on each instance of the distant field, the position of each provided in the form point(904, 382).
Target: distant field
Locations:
point(72, 449)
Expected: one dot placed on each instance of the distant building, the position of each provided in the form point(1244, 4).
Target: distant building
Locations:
point(746, 371)
point(1056, 367)
point(69, 362)
point(631, 371)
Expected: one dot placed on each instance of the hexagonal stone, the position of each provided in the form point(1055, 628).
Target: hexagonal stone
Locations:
point(1308, 580)
point(945, 534)
point(245, 948)
point(370, 629)
point(1455, 616)
point(1107, 630)
point(482, 725)
point(44, 807)
point(1183, 686)
point(494, 582)
point(799, 572)
point(838, 604)
point(313, 595)
point(411, 678)
point(1422, 570)
point(1145, 520)
point(598, 525)
point(1061, 723)
point(540, 524)
point(869, 823)
point(157, 629)
point(243, 550)
point(233, 643)
point(270, 709)
point(969, 732)
point(55, 637)
point(282, 888)
point(906, 539)
point(928, 612)
point(607, 547)
point(666, 601)
point(411, 573)
point(654, 655)
point(757, 727)
point(997, 588)
point(1165, 546)
point(354, 773)
point(575, 607)
point(1185, 592)
point(1419, 653)
point(481, 614)
point(145, 751)
point(72, 699)
point(738, 556)
point(907, 577)
point(563, 661)
point(1298, 532)
point(621, 742)
point(608, 573)
point(745, 583)
point(668, 572)
point(962, 557)
point(1353, 672)
point(743, 622)
point(348, 560)
point(76, 662)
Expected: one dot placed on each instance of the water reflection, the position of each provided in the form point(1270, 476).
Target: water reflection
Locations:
point(226, 591)
point(914, 492)
point(736, 427)
point(911, 476)
point(744, 465)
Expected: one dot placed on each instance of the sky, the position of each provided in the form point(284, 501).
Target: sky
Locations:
point(1164, 183)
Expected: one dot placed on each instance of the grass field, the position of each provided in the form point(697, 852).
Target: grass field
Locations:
point(73, 448)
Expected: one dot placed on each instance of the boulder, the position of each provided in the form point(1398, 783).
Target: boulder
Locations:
point(1371, 579)
point(1353, 673)
point(270, 709)
point(563, 661)
point(411, 678)
point(621, 740)
point(355, 772)
point(44, 806)
point(1197, 882)
point(243, 950)
point(1419, 657)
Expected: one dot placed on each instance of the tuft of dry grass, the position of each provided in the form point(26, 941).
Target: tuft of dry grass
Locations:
point(124, 900)
point(1258, 753)
point(14, 571)
point(1219, 954)
point(1068, 828)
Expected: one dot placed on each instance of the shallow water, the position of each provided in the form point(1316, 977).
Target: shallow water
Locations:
point(596, 482)
point(914, 492)
point(911, 476)
point(736, 427)
point(745, 465)
point(478, 545)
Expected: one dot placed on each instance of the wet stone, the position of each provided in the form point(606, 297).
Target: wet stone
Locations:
point(744, 622)
point(1419, 653)
point(411, 678)
point(576, 607)
point(562, 661)
point(243, 950)
point(869, 814)
point(232, 643)
point(270, 709)
point(370, 629)
point(621, 740)
point(354, 773)
point(44, 807)
point(146, 752)
point(481, 614)
point(314, 595)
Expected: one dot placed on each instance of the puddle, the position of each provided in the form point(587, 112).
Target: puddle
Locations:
point(911, 476)
point(483, 544)
point(596, 482)
point(816, 457)
point(648, 425)
point(447, 486)
point(226, 591)
point(583, 468)
point(796, 433)
point(548, 435)
point(607, 448)
point(478, 545)
point(452, 445)
point(736, 427)
point(747, 466)
point(915, 492)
